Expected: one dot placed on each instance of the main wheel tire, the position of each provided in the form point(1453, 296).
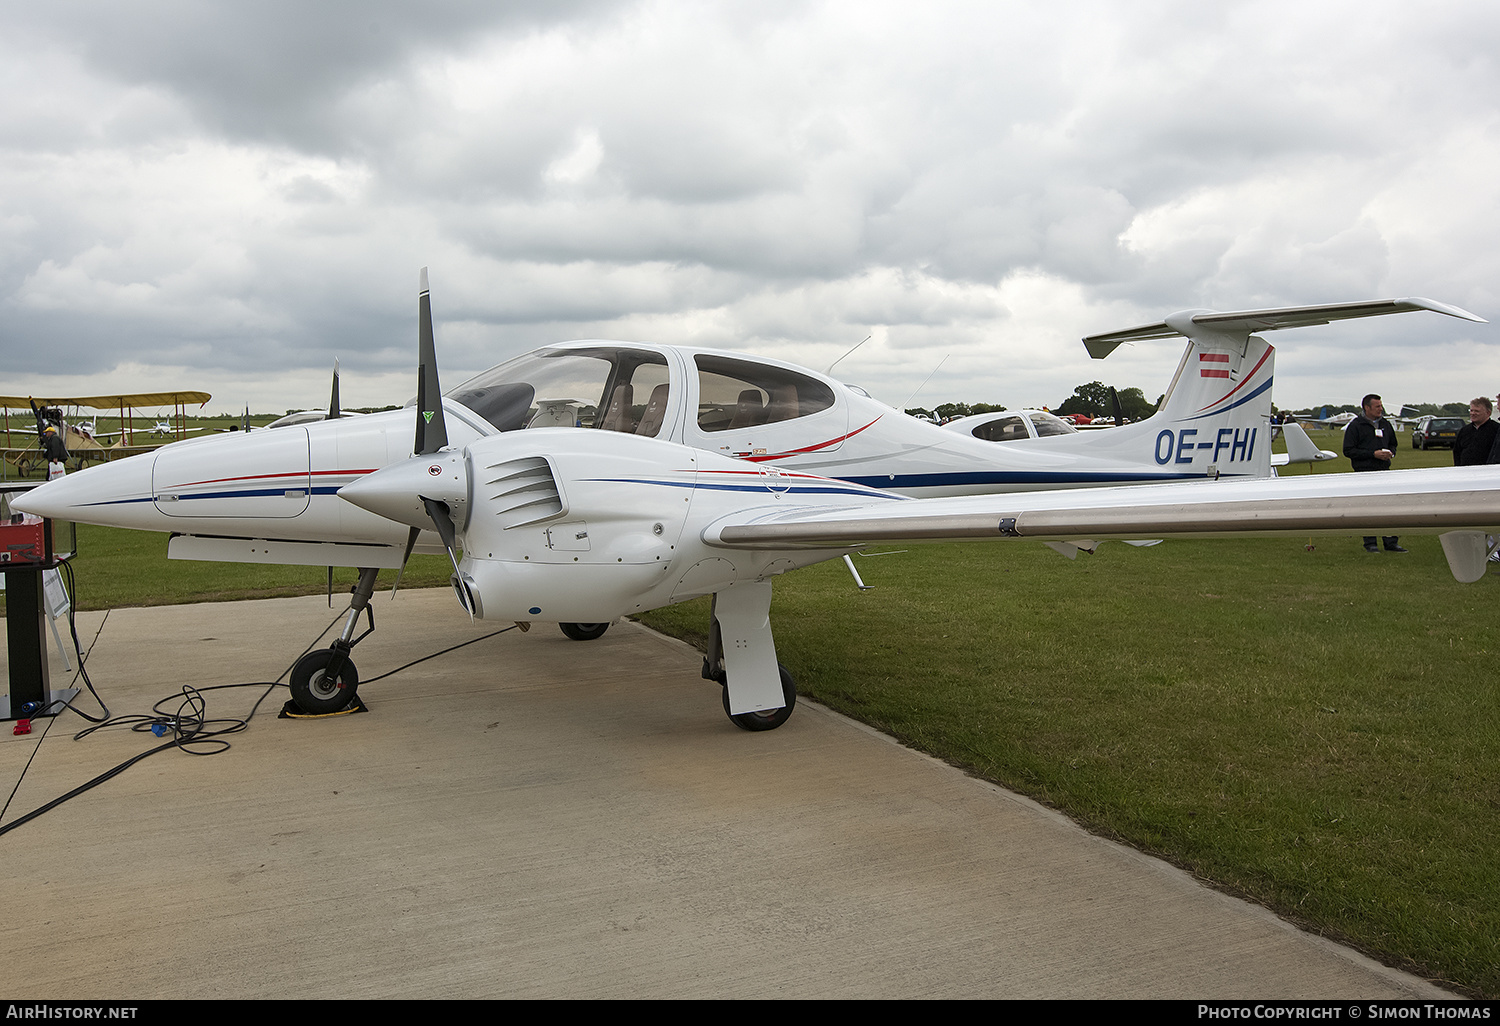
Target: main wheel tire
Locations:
point(314, 691)
point(584, 631)
point(766, 720)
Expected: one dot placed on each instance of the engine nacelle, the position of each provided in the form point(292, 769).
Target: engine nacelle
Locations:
point(573, 526)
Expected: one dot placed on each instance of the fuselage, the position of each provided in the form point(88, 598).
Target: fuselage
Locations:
point(279, 486)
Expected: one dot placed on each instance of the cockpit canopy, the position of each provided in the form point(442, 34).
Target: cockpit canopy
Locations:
point(610, 387)
point(625, 388)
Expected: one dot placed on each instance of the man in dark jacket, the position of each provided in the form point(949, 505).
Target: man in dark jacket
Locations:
point(1370, 444)
point(56, 450)
point(1477, 437)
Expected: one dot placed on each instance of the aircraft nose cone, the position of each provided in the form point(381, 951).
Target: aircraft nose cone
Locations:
point(396, 492)
point(110, 494)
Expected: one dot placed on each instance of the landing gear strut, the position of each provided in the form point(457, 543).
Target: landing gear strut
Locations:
point(746, 666)
point(325, 680)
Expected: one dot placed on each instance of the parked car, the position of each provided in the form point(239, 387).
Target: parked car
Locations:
point(1436, 432)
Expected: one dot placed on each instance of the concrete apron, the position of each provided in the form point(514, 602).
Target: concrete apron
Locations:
point(536, 817)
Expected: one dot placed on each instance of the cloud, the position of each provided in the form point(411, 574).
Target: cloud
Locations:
point(227, 190)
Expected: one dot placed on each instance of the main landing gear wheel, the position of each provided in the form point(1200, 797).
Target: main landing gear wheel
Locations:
point(766, 720)
point(315, 691)
point(584, 631)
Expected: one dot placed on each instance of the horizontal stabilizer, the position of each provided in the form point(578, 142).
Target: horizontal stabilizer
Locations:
point(1300, 448)
point(1193, 323)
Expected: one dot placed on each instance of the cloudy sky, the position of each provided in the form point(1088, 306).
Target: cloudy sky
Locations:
point(228, 196)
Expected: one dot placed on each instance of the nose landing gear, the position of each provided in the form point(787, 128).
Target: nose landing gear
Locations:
point(325, 680)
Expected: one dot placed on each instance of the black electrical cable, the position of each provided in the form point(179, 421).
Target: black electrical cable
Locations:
point(189, 725)
point(434, 655)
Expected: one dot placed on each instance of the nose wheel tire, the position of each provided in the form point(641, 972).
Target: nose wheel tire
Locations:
point(584, 631)
point(772, 718)
point(315, 691)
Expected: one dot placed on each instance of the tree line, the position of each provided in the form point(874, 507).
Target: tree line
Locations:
point(1090, 400)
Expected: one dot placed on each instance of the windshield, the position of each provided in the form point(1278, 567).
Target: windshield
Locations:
point(607, 387)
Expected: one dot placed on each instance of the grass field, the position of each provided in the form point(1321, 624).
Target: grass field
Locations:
point(1318, 729)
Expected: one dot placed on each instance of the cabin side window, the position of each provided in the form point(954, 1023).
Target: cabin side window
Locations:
point(1002, 429)
point(1048, 425)
point(735, 394)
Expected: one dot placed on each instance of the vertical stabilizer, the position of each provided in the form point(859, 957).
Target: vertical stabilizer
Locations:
point(1215, 420)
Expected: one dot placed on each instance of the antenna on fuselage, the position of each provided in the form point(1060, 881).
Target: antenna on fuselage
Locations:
point(925, 380)
point(840, 360)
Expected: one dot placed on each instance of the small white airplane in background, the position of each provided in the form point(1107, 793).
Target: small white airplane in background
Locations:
point(1012, 425)
point(1337, 420)
point(164, 429)
point(678, 497)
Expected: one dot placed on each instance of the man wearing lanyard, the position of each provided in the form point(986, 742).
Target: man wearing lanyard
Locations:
point(1370, 444)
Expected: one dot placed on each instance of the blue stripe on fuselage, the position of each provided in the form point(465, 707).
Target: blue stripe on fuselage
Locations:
point(1056, 478)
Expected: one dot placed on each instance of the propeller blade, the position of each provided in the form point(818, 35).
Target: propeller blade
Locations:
point(1114, 401)
point(441, 519)
point(411, 540)
point(333, 400)
point(432, 429)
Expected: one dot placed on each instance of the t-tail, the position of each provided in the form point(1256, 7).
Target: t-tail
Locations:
point(1215, 419)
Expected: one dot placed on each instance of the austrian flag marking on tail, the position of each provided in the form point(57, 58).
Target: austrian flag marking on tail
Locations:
point(1213, 372)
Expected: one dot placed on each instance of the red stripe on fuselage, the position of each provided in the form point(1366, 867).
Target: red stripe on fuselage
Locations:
point(262, 477)
point(809, 448)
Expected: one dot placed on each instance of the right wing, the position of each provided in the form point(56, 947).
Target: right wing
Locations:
point(1429, 501)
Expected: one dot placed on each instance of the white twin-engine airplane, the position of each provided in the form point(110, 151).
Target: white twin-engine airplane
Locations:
point(711, 473)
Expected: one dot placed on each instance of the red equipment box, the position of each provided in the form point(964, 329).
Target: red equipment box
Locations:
point(25, 539)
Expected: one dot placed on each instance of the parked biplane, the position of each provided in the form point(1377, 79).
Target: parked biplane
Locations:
point(83, 438)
